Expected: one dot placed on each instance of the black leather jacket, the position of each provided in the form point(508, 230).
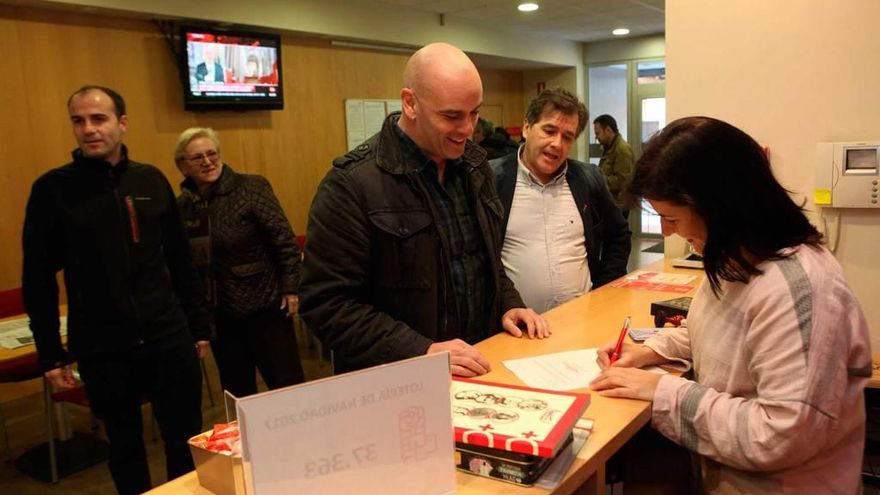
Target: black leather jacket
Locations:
point(606, 232)
point(117, 234)
point(242, 242)
point(376, 279)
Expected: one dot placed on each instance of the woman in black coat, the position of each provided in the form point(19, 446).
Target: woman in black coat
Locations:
point(247, 254)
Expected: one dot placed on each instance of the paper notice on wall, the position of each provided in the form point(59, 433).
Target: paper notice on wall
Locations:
point(354, 123)
point(393, 106)
point(374, 116)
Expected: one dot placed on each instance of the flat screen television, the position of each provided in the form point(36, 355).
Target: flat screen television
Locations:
point(230, 70)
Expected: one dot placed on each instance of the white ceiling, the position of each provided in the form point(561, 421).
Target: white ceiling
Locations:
point(577, 20)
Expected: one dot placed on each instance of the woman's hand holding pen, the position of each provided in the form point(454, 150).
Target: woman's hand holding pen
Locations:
point(623, 379)
point(631, 356)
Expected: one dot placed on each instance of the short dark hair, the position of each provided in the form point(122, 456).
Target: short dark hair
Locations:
point(557, 100)
point(725, 176)
point(605, 121)
point(116, 98)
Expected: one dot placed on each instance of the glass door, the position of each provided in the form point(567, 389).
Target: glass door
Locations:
point(649, 117)
point(652, 118)
point(608, 90)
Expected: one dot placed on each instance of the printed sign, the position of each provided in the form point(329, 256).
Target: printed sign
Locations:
point(353, 433)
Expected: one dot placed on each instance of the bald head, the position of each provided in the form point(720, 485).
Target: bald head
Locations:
point(441, 99)
point(438, 60)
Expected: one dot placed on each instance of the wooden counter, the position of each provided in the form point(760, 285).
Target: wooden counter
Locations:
point(588, 321)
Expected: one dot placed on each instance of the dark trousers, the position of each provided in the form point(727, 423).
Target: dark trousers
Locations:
point(167, 374)
point(264, 340)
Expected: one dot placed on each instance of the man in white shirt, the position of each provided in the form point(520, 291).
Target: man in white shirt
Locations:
point(563, 232)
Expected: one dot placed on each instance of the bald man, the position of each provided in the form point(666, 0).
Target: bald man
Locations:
point(404, 243)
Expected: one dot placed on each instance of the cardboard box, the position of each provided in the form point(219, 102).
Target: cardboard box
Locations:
point(219, 473)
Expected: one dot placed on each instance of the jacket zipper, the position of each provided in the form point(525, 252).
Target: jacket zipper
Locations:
point(444, 247)
point(132, 220)
point(129, 203)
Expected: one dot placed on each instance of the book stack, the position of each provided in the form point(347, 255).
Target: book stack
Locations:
point(509, 432)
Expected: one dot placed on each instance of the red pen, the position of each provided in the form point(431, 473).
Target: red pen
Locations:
point(619, 346)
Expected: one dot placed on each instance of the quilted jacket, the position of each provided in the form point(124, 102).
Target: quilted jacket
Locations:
point(241, 242)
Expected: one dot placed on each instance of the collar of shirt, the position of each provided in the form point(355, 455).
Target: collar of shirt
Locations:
point(523, 174)
point(413, 153)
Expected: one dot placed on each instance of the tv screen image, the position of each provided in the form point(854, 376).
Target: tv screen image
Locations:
point(227, 70)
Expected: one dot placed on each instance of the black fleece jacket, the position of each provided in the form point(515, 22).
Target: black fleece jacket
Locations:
point(117, 234)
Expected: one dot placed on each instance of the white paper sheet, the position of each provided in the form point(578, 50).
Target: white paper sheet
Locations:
point(560, 371)
point(355, 133)
point(17, 333)
point(374, 117)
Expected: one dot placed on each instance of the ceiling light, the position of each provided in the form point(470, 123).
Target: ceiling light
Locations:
point(527, 7)
point(620, 32)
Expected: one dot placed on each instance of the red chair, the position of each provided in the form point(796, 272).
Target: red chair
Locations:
point(11, 303)
point(17, 369)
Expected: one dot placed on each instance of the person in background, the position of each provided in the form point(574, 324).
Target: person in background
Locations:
point(562, 231)
point(617, 157)
point(247, 254)
point(482, 130)
point(210, 70)
point(403, 257)
point(498, 143)
point(777, 340)
point(252, 69)
point(137, 321)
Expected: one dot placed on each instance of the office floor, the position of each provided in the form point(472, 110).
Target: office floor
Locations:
point(25, 423)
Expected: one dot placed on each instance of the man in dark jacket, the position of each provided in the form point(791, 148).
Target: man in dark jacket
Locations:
point(563, 232)
point(617, 157)
point(136, 317)
point(403, 251)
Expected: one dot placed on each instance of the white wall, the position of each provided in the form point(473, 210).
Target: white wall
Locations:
point(790, 73)
point(616, 50)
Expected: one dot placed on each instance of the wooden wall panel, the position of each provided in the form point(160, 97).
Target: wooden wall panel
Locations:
point(45, 55)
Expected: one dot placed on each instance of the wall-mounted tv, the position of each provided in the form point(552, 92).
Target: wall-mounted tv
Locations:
point(230, 69)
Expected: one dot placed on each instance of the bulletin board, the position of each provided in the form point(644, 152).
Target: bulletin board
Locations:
point(363, 118)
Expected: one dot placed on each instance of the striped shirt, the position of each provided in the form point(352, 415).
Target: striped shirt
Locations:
point(780, 363)
point(467, 248)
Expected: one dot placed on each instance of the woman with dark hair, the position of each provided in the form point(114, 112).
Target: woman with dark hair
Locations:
point(777, 340)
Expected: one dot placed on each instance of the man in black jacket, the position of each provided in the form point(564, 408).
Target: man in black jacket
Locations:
point(136, 317)
point(404, 241)
point(563, 232)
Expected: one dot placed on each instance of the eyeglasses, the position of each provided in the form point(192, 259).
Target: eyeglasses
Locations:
point(199, 158)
